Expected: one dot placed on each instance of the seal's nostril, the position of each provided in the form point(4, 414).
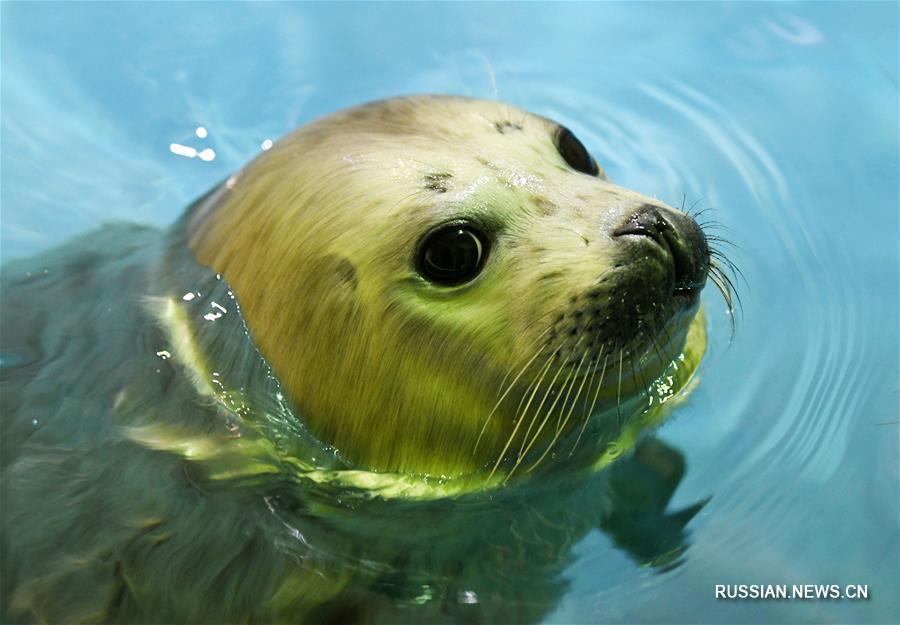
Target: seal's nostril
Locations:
point(645, 221)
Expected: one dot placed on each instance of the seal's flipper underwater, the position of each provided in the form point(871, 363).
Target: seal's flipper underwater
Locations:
point(640, 489)
point(386, 364)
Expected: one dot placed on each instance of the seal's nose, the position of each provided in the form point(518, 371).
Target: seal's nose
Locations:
point(680, 235)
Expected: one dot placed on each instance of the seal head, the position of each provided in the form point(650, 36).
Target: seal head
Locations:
point(447, 286)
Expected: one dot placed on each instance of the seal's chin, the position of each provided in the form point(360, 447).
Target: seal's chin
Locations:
point(634, 366)
point(648, 359)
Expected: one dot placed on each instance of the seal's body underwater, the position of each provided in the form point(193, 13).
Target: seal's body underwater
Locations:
point(423, 298)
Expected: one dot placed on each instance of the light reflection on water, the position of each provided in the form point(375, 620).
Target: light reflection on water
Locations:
point(780, 119)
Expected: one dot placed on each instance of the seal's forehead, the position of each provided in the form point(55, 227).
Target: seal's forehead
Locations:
point(439, 117)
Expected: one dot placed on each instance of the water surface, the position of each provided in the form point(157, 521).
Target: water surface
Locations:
point(781, 119)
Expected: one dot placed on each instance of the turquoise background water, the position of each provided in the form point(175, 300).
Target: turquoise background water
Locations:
point(781, 118)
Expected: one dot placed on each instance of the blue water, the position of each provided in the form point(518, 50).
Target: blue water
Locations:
point(781, 118)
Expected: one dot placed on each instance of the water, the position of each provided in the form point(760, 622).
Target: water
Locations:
point(783, 119)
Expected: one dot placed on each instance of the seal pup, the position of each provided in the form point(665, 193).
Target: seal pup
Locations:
point(421, 299)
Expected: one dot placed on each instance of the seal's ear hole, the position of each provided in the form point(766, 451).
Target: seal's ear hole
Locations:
point(574, 152)
point(453, 254)
point(335, 272)
point(346, 273)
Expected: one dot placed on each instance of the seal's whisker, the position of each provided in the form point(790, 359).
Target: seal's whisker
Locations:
point(548, 389)
point(720, 266)
point(716, 246)
point(518, 419)
point(722, 284)
point(717, 281)
point(701, 212)
point(511, 369)
point(634, 375)
point(575, 375)
point(533, 389)
point(643, 376)
point(717, 252)
point(735, 270)
point(656, 348)
point(520, 414)
point(570, 380)
point(509, 387)
point(690, 211)
point(719, 236)
point(507, 391)
point(590, 411)
point(720, 240)
point(561, 428)
point(715, 226)
point(492, 74)
point(592, 367)
point(524, 449)
point(531, 344)
point(619, 392)
point(696, 216)
point(663, 357)
point(639, 378)
point(716, 272)
point(655, 343)
point(663, 330)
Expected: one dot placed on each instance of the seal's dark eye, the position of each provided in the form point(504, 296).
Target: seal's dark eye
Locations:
point(452, 255)
point(574, 152)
